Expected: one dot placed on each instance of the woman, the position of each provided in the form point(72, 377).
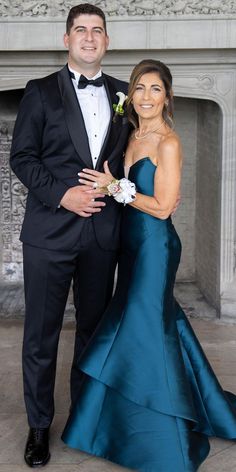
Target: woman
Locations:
point(150, 397)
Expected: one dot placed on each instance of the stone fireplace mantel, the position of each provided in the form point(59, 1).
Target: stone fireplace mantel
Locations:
point(136, 32)
point(200, 50)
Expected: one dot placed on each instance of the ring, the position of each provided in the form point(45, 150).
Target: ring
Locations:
point(95, 184)
point(93, 199)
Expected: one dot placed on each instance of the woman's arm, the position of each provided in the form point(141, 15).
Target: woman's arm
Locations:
point(167, 181)
point(166, 184)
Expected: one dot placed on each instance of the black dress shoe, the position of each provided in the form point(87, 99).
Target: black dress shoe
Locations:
point(37, 447)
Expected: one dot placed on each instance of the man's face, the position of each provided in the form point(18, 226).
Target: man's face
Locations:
point(87, 43)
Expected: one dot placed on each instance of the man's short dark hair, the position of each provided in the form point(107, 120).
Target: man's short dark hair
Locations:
point(84, 9)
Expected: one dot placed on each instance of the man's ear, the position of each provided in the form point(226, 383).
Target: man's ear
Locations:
point(107, 41)
point(66, 40)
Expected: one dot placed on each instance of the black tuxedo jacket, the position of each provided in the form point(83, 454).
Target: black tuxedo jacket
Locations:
point(50, 146)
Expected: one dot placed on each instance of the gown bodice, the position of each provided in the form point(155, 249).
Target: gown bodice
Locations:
point(138, 225)
point(144, 180)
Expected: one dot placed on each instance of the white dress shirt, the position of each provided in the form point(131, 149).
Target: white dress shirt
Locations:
point(96, 112)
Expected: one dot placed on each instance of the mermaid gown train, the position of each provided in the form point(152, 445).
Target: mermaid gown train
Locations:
point(150, 398)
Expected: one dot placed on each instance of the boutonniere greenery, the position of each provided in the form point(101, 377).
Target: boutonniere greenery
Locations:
point(119, 107)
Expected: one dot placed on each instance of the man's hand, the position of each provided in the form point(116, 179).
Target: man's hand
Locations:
point(81, 200)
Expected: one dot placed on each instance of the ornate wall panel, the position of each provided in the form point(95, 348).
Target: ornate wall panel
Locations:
point(59, 8)
point(13, 195)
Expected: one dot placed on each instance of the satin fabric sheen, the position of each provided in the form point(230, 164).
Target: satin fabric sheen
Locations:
point(150, 398)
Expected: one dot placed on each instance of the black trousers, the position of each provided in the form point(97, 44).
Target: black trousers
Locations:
point(47, 277)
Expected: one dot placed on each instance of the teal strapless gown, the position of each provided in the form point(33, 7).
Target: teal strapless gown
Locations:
point(150, 397)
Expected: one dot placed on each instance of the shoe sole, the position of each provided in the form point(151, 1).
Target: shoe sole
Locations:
point(39, 465)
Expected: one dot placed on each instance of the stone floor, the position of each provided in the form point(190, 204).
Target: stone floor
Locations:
point(188, 295)
point(218, 340)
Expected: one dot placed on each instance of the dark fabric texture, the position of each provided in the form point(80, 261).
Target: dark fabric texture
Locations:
point(50, 146)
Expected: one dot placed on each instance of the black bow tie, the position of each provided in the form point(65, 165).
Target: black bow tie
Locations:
point(83, 82)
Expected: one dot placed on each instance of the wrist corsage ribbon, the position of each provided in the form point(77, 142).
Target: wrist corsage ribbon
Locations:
point(123, 190)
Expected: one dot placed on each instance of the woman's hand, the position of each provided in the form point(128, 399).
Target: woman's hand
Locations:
point(99, 180)
point(176, 205)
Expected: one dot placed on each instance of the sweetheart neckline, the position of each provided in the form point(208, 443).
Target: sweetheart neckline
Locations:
point(139, 160)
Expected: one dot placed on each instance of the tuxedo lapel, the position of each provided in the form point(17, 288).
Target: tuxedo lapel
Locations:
point(74, 117)
point(114, 128)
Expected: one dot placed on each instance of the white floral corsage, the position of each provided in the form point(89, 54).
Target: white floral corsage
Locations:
point(123, 190)
point(119, 107)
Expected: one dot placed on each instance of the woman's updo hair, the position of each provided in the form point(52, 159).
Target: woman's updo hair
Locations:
point(144, 67)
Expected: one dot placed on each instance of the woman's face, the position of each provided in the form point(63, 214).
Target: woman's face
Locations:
point(149, 96)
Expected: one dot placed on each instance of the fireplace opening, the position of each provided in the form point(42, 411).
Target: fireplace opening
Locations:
point(197, 220)
point(199, 123)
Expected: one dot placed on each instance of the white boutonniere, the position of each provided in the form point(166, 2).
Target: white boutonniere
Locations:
point(119, 107)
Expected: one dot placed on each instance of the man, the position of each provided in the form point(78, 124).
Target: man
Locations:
point(65, 123)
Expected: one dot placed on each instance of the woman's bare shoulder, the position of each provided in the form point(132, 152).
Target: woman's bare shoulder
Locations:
point(170, 143)
point(170, 146)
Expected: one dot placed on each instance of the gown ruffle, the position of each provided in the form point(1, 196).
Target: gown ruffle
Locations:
point(150, 398)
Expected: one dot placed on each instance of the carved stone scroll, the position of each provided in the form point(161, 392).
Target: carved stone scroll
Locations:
point(60, 8)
